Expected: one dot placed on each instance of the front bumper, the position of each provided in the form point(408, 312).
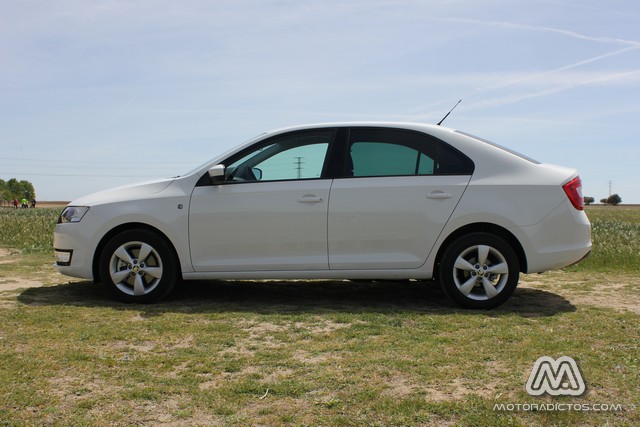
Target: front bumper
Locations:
point(74, 247)
point(63, 257)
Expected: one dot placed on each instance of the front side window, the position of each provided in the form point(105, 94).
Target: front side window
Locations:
point(295, 156)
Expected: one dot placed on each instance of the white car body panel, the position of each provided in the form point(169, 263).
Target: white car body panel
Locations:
point(362, 227)
point(157, 205)
point(232, 226)
point(389, 222)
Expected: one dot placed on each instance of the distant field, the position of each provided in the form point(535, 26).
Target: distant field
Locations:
point(615, 234)
point(616, 239)
point(40, 204)
point(52, 204)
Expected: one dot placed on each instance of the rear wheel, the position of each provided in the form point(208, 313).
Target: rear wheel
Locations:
point(479, 270)
point(138, 266)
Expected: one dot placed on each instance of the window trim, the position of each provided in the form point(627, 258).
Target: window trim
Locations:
point(206, 181)
point(439, 143)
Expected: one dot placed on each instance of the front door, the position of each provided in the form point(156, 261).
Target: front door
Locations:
point(270, 214)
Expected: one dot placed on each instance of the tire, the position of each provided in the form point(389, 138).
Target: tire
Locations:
point(479, 271)
point(138, 266)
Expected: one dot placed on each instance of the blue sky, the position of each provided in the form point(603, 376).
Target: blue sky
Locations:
point(102, 93)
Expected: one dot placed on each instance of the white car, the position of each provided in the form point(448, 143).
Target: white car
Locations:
point(335, 201)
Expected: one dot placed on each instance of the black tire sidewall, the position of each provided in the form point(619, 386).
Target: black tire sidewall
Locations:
point(165, 252)
point(461, 244)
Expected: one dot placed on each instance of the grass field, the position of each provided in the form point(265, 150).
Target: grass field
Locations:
point(313, 353)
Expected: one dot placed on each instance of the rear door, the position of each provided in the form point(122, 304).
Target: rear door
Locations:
point(398, 190)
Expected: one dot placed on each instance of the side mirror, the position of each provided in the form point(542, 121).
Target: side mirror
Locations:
point(216, 173)
point(257, 173)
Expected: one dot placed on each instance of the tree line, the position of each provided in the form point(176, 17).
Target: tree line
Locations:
point(613, 199)
point(14, 189)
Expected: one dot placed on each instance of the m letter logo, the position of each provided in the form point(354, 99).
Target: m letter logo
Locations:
point(559, 377)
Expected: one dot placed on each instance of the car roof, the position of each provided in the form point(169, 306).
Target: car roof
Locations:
point(390, 124)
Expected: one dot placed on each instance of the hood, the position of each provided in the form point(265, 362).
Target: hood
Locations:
point(139, 190)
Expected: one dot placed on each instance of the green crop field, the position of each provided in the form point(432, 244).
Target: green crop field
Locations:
point(314, 353)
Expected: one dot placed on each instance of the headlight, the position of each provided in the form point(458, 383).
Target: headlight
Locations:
point(72, 214)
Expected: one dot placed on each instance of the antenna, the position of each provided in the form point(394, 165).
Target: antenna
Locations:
point(440, 122)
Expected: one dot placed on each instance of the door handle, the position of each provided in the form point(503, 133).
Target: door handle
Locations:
point(439, 195)
point(310, 198)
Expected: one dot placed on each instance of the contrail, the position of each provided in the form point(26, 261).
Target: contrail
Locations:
point(536, 28)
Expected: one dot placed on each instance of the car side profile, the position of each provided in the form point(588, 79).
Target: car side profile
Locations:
point(335, 201)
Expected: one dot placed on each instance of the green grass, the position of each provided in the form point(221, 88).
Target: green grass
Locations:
point(622, 213)
point(29, 230)
point(616, 240)
point(309, 353)
point(615, 234)
point(300, 354)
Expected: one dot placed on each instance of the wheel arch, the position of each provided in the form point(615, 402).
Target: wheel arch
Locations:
point(485, 227)
point(95, 267)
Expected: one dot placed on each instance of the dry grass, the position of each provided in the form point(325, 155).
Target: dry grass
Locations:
point(335, 353)
point(308, 353)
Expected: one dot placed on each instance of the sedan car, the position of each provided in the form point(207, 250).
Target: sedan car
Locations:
point(335, 201)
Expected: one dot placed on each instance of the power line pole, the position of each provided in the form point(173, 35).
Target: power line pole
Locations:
point(299, 164)
point(610, 182)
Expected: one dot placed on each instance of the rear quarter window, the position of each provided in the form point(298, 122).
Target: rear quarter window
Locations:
point(452, 162)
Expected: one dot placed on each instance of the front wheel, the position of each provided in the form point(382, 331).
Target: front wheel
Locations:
point(138, 266)
point(479, 271)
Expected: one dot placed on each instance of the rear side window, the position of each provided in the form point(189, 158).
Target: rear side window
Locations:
point(396, 159)
point(395, 152)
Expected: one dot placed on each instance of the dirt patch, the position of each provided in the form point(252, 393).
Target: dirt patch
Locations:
point(325, 327)
point(11, 279)
point(458, 389)
point(277, 375)
point(11, 283)
point(142, 347)
point(4, 252)
point(399, 387)
point(596, 290)
point(320, 327)
point(264, 335)
point(606, 300)
point(223, 378)
point(312, 359)
point(8, 256)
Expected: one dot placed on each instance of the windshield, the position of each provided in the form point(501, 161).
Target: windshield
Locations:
point(202, 166)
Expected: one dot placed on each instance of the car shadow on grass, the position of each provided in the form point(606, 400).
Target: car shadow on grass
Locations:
point(289, 297)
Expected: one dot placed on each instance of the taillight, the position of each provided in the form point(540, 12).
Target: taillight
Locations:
point(573, 189)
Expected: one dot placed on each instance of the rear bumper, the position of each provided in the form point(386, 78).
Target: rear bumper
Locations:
point(561, 239)
point(580, 260)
